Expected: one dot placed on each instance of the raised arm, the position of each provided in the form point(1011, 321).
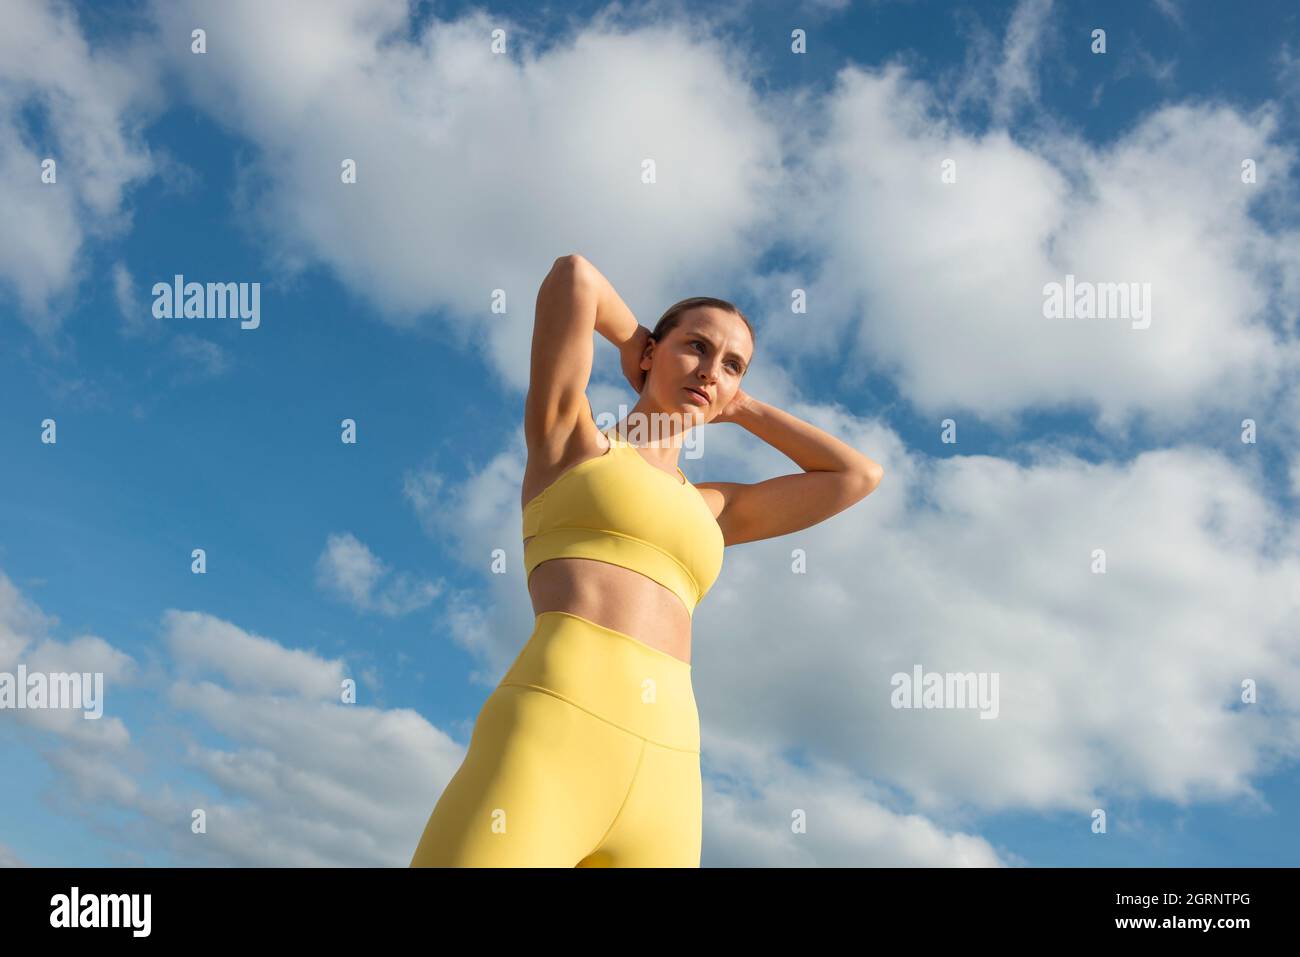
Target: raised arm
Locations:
point(835, 475)
point(574, 300)
point(561, 355)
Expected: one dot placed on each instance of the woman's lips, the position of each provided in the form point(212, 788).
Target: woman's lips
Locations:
point(695, 396)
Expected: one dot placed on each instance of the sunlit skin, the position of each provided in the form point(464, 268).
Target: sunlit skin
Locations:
point(709, 349)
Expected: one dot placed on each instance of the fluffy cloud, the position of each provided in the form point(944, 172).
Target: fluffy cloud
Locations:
point(753, 799)
point(1004, 77)
point(940, 285)
point(24, 641)
point(92, 104)
point(1124, 684)
point(300, 779)
point(352, 572)
point(476, 170)
point(134, 309)
point(195, 358)
point(1127, 682)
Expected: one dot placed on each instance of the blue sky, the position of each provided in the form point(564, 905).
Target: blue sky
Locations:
point(370, 561)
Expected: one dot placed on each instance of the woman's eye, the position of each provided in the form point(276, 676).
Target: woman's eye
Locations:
point(733, 365)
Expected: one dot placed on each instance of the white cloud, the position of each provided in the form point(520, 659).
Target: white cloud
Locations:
point(194, 358)
point(93, 103)
point(24, 641)
point(1171, 10)
point(1125, 682)
point(302, 780)
point(307, 781)
point(352, 572)
point(1001, 77)
point(1116, 684)
point(20, 622)
point(199, 642)
point(916, 277)
point(941, 285)
point(1136, 60)
point(299, 779)
point(470, 520)
point(475, 170)
point(1016, 77)
point(137, 317)
point(752, 800)
point(200, 358)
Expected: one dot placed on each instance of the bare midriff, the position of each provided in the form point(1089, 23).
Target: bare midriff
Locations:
point(615, 597)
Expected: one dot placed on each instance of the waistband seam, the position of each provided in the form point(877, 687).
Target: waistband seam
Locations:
point(568, 700)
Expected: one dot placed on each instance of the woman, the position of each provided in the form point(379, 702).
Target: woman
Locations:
point(588, 752)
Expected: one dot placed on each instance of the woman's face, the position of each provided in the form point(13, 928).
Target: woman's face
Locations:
point(708, 350)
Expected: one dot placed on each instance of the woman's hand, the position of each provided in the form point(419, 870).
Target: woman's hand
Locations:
point(734, 409)
point(630, 355)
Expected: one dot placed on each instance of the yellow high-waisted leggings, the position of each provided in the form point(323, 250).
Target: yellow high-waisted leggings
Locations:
point(587, 754)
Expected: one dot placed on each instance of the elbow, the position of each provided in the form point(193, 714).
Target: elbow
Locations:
point(871, 478)
point(571, 261)
point(570, 268)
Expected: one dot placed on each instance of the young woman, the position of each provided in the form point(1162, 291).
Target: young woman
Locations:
point(587, 753)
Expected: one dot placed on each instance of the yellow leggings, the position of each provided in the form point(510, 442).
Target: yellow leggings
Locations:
point(587, 754)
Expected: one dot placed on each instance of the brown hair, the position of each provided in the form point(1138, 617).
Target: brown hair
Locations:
point(669, 320)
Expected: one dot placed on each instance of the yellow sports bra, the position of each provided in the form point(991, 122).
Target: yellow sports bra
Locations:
point(618, 508)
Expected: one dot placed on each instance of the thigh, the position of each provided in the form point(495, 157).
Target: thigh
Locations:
point(540, 782)
point(661, 821)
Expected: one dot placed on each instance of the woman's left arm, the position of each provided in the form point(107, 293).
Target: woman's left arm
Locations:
point(835, 476)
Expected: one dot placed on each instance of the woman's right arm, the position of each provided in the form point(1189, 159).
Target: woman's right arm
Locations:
point(561, 355)
point(573, 300)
